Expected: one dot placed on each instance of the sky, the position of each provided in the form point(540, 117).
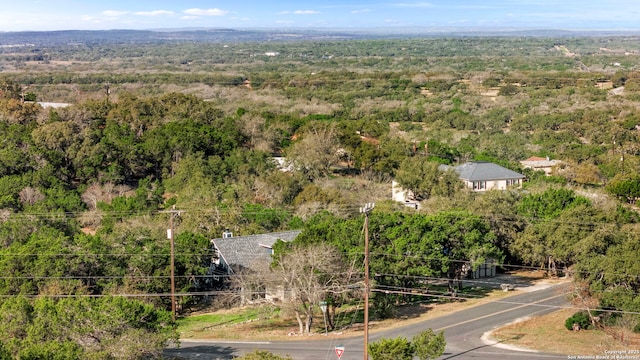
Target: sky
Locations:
point(38, 15)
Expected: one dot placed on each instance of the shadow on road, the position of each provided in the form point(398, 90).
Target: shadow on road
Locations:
point(453, 356)
point(200, 352)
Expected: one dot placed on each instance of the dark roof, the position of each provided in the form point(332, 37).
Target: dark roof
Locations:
point(481, 170)
point(244, 251)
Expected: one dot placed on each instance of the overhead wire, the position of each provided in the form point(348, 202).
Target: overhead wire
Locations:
point(256, 257)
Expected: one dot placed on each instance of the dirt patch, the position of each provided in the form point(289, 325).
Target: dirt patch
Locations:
point(547, 334)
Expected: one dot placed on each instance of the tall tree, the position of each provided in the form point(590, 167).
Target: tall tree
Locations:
point(317, 151)
point(309, 274)
point(425, 179)
point(72, 328)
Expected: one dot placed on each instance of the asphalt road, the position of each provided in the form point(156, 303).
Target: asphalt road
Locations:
point(463, 332)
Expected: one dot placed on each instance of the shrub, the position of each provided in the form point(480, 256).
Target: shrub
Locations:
point(428, 345)
point(581, 318)
point(262, 355)
point(391, 349)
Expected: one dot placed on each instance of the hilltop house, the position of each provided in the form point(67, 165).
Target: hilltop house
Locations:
point(483, 176)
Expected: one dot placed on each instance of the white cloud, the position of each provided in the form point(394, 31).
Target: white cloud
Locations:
point(189, 17)
point(114, 13)
point(154, 13)
point(299, 12)
point(415, 5)
point(361, 11)
point(205, 12)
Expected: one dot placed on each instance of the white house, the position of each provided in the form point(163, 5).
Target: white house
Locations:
point(406, 197)
point(483, 176)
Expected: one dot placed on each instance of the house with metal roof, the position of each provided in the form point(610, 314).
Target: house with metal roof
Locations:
point(234, 253)
point(483, 176)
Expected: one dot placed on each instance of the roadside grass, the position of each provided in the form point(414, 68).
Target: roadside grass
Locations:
point(547, 334)
point(224, 323)
point(273, 323)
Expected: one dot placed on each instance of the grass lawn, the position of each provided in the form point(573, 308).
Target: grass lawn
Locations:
point(272, 323)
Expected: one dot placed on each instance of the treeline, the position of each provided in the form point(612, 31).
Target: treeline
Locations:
point(60, 78)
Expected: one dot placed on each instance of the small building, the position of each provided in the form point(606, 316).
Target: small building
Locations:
point(484, 270)
point(483, 176)
point(401, 195)
point(540, 164)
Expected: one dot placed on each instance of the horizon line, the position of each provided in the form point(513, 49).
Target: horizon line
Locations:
point(376, 29)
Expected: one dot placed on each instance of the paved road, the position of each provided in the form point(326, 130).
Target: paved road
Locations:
point(463, 331)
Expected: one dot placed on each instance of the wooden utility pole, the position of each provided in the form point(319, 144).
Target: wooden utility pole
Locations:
point(172, 214)
point(107, 88)
point(366, 210)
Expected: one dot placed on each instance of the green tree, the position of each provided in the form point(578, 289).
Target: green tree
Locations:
point(391, 349)
point(625, 187)
point(74, 328)
point(4, 353)
point(425, 179)
point(462, 238)
point(550, 204)
point(192, 259)
point(613, 272)
point(428, 345)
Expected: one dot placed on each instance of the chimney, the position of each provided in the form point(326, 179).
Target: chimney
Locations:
point(227, 234)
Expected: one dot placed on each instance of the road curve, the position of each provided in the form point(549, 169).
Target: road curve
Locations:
point(463, 331)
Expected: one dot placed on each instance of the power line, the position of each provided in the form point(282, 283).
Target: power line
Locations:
point(374, 289)
point(257, 257)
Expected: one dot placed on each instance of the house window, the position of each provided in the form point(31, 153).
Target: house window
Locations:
point(479, 185)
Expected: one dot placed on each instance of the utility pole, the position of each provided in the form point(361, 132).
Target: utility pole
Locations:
point(107, 87)
point(366, 210)
point(172, 214)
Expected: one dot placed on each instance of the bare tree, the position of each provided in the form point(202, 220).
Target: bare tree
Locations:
point(299, 278)
point(317, 151)
point(310, 273)
point(30, 195)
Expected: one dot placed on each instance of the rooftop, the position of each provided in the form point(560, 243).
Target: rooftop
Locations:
point(243, 251)
point(482, 170)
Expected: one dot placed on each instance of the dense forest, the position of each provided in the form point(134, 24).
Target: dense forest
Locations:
point(156, 129)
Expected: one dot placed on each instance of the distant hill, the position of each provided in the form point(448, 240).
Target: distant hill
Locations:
point(87, 37)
